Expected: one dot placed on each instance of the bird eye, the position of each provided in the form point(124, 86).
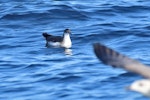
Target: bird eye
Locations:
point(140, 84)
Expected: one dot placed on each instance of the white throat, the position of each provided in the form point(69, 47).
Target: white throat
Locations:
point(66, 41)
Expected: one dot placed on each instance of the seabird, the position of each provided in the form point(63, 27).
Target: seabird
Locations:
point(59, 41)
point(110, 57)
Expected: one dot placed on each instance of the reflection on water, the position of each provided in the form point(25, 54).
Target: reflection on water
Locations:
point(68, 51)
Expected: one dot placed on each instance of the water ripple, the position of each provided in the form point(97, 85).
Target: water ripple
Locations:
point(30, 71)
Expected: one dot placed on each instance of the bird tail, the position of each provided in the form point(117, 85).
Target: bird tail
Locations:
point(45, 35)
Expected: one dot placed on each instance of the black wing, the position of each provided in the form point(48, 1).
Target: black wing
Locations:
point(52, 38)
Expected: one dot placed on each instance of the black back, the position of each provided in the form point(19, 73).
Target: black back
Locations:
point(52, 38)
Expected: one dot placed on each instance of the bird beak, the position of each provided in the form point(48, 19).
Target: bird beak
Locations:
point(128, 87)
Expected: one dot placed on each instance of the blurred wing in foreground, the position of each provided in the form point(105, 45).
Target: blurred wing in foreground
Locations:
point(110, 57)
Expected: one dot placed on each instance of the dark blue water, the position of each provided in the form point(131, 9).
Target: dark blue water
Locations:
point(30, 71)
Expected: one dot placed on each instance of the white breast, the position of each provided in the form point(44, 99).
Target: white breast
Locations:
point(66, 41)
point(54, 44)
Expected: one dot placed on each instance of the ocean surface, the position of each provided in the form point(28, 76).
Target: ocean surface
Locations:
point(30, 71)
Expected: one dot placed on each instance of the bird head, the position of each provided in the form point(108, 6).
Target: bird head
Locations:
point(141, 86)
